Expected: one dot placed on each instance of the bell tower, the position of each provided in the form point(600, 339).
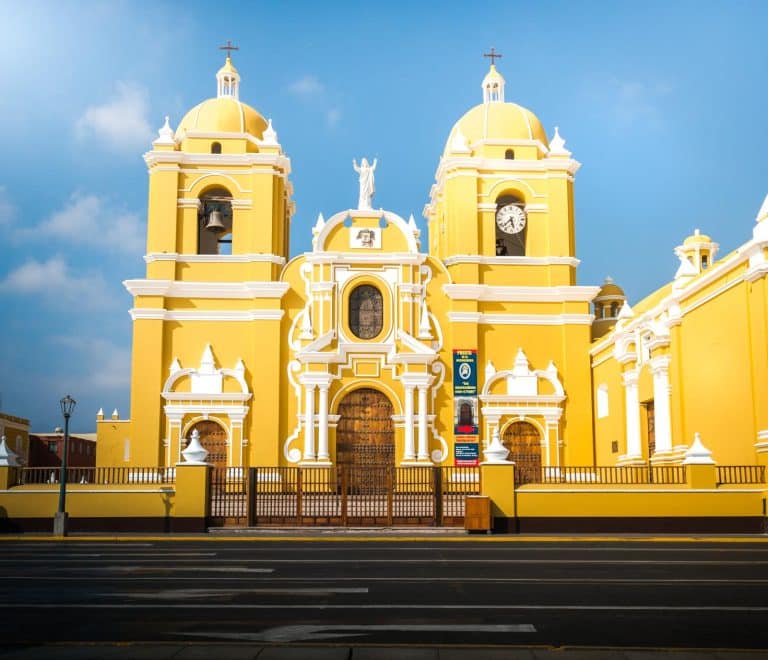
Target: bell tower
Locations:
point(217, 239)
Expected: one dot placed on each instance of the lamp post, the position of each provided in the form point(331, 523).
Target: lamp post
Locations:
point(60, 521)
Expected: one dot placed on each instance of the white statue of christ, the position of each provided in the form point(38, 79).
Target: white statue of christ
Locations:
point(367, 187)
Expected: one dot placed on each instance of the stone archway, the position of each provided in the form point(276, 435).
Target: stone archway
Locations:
point(524, 443)
point(213, 437)
point(365, 434)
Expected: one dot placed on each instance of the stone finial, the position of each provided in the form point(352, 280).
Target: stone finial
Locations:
point(8, 457)
point(490, 370)
point(207, 363)
point(175, 366)
point(496, 453)
point(625, 313)
point(686, 268)
point(425, 332)
point(459, 143)
point(319, 224)
point(195, 453)
point(239, 367)
point(413, 226)
point(760, 232)
point(115, 414)
point(269, 138)
point(166, 134)
point(557, 145)
point(521, 366)
point(100, 415)
point(697, 453)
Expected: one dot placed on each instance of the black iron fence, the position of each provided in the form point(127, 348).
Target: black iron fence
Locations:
point(99, 476)
point(608, 474)
point(740, 474)
point(360, 495)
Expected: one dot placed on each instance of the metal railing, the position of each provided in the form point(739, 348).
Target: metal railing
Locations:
point(612, 475)
point(740, 474)
point(98, 476)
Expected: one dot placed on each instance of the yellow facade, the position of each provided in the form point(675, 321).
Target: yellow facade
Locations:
point(15, 430)
point(232, 335)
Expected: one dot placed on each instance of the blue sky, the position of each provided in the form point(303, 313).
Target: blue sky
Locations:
point(663, 102)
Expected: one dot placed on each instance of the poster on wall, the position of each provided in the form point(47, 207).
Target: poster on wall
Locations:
point(465, 412)
point(466, 454)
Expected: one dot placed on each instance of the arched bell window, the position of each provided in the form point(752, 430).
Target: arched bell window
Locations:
point(509, 154)
point(215, 147)
point(511, 226)
point(215, 222)
point(366, 312)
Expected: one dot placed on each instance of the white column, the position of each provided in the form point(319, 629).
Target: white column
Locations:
point(410, 454)
point(661, 405)
point(632, 414)
point(322, 431)
point(423, 448)
point(309, 423)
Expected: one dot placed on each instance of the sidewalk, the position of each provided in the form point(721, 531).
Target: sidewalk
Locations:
point(247, 652)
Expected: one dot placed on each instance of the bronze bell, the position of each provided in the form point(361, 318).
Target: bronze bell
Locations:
point(214, 223)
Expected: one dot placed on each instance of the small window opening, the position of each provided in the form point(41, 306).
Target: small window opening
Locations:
point(216, 147)
point(509, 154)
point(704, 261)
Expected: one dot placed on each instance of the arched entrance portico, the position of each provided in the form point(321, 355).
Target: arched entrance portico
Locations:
point(524, 443)
point(365, 434)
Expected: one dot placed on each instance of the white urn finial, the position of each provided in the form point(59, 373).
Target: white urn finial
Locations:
point(166, 134)
point(697, 453)
point(496, 453)
point(8, 458)
point(195, 453)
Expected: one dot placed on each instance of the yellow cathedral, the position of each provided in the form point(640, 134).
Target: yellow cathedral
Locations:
point(382, 346)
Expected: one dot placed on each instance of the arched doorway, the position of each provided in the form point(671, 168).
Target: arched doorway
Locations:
point(524, 443)
point(365, 434)
point(214, 438)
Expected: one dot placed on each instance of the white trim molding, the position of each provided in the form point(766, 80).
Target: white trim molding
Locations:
point(510, 261)
point(485, 292)
point(230, 290)
point(215, 258)
point(156, 314)
point(521, 319)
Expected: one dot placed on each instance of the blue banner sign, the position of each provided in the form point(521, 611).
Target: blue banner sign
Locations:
point(466, 453)
point(465, 413)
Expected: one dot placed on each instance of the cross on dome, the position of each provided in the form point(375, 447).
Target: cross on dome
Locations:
point(227, 77)
point(493, 55)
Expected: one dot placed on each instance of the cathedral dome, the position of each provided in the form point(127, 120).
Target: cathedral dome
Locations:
point(223, 114)
point(610, 288)
point(499, 121)
point(697, 238)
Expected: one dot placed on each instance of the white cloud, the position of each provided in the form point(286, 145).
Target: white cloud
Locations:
point(332, 117)
point(121, 122)
point(106, 365)
point(307, 86)
point(7, 209)
point(90, 220)
point(53, 280)
point(636, 101)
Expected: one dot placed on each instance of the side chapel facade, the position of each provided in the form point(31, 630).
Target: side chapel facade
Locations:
point(384, 346)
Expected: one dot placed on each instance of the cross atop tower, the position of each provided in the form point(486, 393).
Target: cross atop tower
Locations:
point(493, 55)
point(229, 48)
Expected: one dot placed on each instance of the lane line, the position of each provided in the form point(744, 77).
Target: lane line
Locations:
point(386, 606)
point(432, 561)
point(182, 594)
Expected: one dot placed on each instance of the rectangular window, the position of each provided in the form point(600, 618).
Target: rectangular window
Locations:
point(602, 401)
point(53, 446)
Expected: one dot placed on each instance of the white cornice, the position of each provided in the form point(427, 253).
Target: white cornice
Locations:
point(485, 292)
point(510, 261)
point(370, 258)
point(278, 161)
point(520, 319)
point(176, 289)
point(215, 258)
point(141, 313)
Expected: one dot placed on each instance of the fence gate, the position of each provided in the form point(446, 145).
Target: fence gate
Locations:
point(229, 497)
point(360, 495)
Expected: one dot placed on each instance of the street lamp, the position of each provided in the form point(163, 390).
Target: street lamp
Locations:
point(60, 521)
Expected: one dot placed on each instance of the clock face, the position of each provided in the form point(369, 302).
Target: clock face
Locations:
point(510, 219)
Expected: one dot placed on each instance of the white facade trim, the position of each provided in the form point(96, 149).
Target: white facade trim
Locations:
point(521, 319)
point(230, 290)
point(348, 258)
point(214, 258)
point(485, 292)
point(177, 158)
point(513, 261)
point(155, 314)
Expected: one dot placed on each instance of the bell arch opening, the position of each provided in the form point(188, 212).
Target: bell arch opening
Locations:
point(214, 226)
point(511, 226)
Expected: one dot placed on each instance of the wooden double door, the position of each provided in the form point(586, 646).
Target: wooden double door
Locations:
point(365, 434)
point(524, 443)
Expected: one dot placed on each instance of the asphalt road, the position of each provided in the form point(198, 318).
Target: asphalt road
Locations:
point(432, 592)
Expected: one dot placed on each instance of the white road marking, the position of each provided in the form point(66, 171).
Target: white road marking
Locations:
point(183, 594)
point(387, 606)
point(307, 633)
